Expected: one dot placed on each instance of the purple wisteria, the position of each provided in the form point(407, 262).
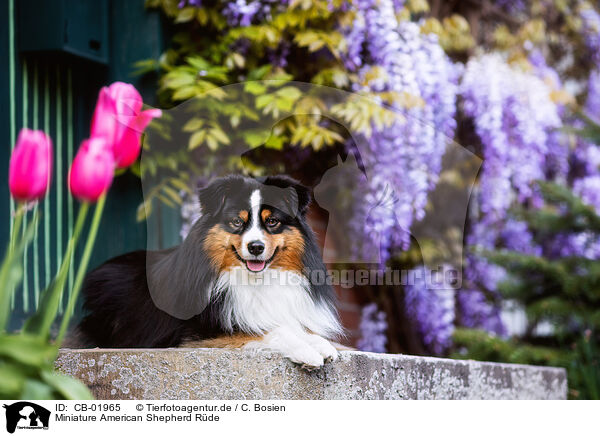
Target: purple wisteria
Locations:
point(590, 20)
point(430, 305)
point(184, 3)
point(394, 57)
point(476, 311)
point(373, 328)
point(515, 119)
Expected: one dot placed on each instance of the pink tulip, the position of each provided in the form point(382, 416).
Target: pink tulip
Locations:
point(92, 170)
point(30, 167)
point(120, 120)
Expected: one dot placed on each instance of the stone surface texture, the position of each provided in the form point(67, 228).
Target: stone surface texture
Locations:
point(216, 374)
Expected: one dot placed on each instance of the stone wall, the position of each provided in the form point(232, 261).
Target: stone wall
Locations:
point(232, 374)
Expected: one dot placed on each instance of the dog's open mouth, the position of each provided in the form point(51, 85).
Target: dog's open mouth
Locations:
point(255, 265)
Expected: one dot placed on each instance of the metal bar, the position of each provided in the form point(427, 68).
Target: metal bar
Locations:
point(12, 102)
point(59, 176)
point(25, 122)
point(36, 248)
point(70, 129)
point(47, 264)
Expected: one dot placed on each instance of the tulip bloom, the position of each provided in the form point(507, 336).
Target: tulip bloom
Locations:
point(92, 170)
point(119, 119)
point(30, 166)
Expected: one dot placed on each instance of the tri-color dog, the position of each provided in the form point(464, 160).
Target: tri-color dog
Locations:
point(241, 279)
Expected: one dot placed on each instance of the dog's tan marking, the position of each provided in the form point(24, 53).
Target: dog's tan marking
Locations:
point(291, 249)
point(244, 215)
point(237, 340)
point(266, 213)
point(217, 245)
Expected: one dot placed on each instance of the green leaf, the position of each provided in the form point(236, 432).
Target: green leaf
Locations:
point(193, 125)
point(196, 139)
point(264, 100)
point(186, 14)
point(259, 73)
point(254, 138)
point(36, 390)
point(180, 184)
point(212, 143)
point(185, 93)
point(12, 378)
point(27, 349)
point(220, 136)
point(143, 210)
point(68, 387)
point(172, 194)
point(289, 93)
point(255, 88)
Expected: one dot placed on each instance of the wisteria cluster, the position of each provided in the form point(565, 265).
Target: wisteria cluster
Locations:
point(240, 12)
point(431, 306)
point(373, 326)
point(513, 115)
point(476, 311)
point(184, 3)
point(509, 108)
point(403, 159)
point(590, 19)
point(592, 106)
point(515, 119)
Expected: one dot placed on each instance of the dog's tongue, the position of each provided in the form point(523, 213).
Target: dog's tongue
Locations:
point(255, 265)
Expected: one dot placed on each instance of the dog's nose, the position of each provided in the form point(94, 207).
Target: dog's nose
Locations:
point(256, 247)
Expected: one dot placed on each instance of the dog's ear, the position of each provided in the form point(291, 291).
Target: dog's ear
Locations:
point(212, 196)
point(300, 198)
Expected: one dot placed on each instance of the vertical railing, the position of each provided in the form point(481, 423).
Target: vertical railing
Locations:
point(55, 91)
point(12, 98)
point(41, 97)
point(46, 101)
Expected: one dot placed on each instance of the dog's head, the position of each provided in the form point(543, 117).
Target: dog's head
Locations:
point(256, 224)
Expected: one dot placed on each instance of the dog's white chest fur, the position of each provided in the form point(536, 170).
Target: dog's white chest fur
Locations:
point(260, 303)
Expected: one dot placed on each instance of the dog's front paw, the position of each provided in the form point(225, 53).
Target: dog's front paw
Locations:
point(306, 356)
point(306, 349)
point(323, 347)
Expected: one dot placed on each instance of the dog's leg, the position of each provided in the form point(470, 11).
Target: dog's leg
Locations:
point(293, 344)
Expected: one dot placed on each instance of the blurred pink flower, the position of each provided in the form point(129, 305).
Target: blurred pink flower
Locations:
point(119, 119)
point(92, 170)
point(30, 166)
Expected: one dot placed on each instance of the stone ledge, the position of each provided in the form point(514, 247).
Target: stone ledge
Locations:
point(205, 374)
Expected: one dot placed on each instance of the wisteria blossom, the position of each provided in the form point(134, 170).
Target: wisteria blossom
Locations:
point(476, 311)
point(590, 19)
point(373, 327)
point(431, 306)
point(407, 63)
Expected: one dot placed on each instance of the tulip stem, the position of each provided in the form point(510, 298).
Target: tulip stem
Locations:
point(87, 252)
point(8, 275)
point(21, 210)
point(41, 322)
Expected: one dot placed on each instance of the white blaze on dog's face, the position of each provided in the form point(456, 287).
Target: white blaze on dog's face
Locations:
point(256, 226)
point(254, 239)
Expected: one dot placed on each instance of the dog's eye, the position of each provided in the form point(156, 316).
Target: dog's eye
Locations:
point(271, 222)
point(236, 223)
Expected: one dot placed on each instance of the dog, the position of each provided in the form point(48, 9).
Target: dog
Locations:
point(248, 275)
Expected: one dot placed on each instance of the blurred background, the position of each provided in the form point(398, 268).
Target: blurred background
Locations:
point(514, 83)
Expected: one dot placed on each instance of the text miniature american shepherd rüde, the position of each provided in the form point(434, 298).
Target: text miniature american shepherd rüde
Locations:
point(240, 279)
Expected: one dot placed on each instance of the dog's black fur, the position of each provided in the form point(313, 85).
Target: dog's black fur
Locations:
point(123, 312)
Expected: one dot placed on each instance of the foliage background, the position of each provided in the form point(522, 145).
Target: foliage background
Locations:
point(517, 83)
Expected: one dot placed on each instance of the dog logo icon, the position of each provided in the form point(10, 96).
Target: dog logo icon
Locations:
point(26, 415)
